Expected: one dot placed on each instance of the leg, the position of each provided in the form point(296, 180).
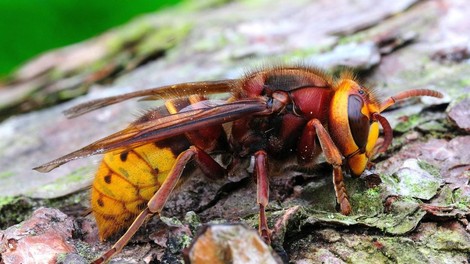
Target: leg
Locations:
point(262, 193)
point(208, 165)
point(333, 156)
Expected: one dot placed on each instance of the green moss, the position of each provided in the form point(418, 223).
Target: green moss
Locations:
point(367, 203)
point(14, 210)
point(163, 38)
point(72, 93)
point(424, 189)
point(209, 44)
point(307, 52)
point(411, 122)
point(130, 33)
point(464, 82)
point(355, 38)
point(6, 174)
point(175, 244)
point(414, 181)
point(193, 220)
point(448, 239)
point(17, 209)
point(405, 224)
point(65, 182)
point(461, 200)
point(320, 194)
point(82, 198)
point(83, 249)
point(313, 216)
point(403, 215)
point(363, 248)
point(401, 250)
point(6, 200)
point(439, 75)
point(434, 171)
point(433, 126)
point(171, 221)
point(61, 257)
point(362, 251)
point(186, 240)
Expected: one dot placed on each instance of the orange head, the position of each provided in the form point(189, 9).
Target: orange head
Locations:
point(353, 121)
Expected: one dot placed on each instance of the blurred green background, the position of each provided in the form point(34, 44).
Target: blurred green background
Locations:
point(29, 27)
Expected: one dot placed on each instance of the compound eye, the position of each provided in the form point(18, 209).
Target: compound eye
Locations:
point(358, 121)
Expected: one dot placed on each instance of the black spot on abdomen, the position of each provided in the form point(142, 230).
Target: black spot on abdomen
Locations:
point(123, 156)
point(107, 178)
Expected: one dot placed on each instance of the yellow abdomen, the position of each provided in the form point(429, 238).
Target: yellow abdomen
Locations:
point(125, 182)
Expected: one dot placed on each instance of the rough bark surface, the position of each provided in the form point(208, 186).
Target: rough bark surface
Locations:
point(412, 207)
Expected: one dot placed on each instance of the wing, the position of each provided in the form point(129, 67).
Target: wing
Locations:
point(163, 92)
point(150, 131)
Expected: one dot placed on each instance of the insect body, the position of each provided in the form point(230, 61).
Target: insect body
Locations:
point(125, 182)
point(275, 113)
